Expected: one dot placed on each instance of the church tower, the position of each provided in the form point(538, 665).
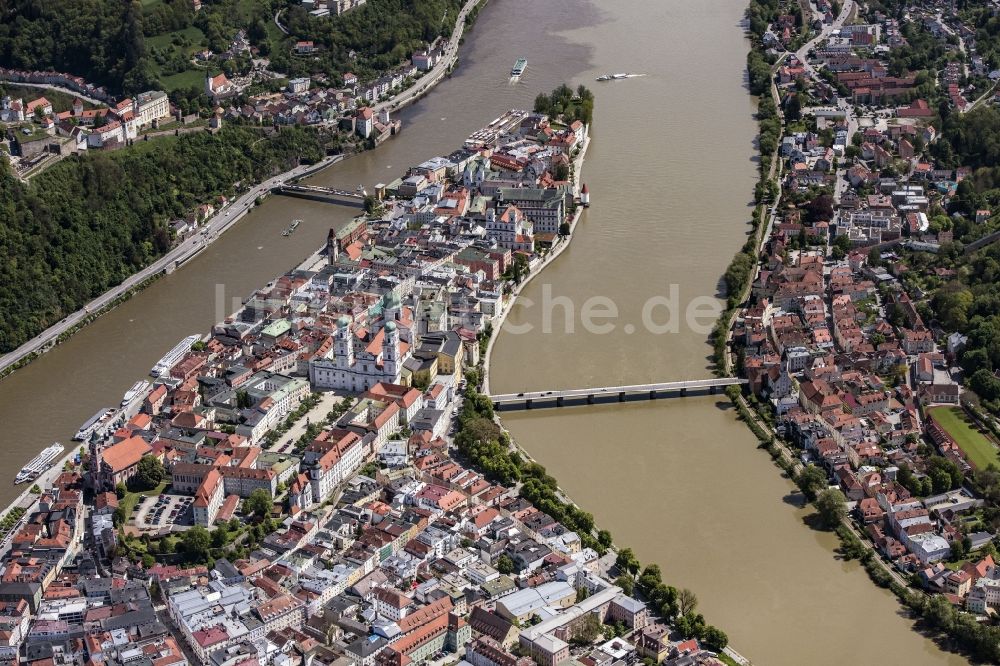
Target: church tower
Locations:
point(343, 346)
point(390, 351)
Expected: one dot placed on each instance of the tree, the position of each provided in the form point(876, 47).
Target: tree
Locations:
point(604, 538)
point(519, 268)
point(650, 579)
point(505, 565)
point(687, 601)
point(626, 583)
point(831, 506)
point(259, 503)
point(874, 257)
point(820, 208)
point(220, 537)
point(371, 204)
point(149, 473)
point(841, 246)
point(587, 631)
point(811, 480)
point(627, 562)
point(243, 400)
point(196, 542)
point(118, 518)
point(714, 639)
point(793, 108)
point(120, 490)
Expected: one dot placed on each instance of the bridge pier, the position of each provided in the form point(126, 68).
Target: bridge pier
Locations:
point(527, 403)
point(711, 390)
point(652, 395)
point(590, 399)
point(684, 392)
point(559, 401)
point(621, 396)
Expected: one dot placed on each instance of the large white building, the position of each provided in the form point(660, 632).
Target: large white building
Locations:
point(546, 208)
point(208, 499)
point(330, 459)
point(285, 394)
point(360, 360)
point(985, 593)
point(150, 107)
point(511, 229)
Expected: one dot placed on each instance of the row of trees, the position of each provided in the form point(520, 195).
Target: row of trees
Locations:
point(678, 606)
point(489, 448)
point(88, 222)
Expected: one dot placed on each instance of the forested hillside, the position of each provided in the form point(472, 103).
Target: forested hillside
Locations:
point(130, 46)
point(100, 40)
point(87, 223)
point(381, 34)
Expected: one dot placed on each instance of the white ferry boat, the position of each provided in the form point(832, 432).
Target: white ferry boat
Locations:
point(614, 77)
point(519, 67)
point(39, 463)
point(171, 357)
point(90, 425)
point(139, 388)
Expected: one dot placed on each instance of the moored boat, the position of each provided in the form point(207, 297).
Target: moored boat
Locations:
point(171, 357)
point(137, 389)
point(39, 463)
point(88, 427)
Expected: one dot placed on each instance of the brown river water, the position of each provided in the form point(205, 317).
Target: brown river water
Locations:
point(670, 172)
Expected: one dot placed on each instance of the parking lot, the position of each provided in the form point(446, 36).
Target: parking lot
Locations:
point(163, 511)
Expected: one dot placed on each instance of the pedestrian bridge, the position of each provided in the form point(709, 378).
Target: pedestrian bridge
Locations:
point(608, 394)
point(325, 194)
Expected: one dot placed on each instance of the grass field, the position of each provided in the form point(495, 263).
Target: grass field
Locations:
point(184, 80)
point(979, 449)
point(191, 39)
point(193, 34)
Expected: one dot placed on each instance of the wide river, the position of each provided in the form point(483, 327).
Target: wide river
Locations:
point(670, 171)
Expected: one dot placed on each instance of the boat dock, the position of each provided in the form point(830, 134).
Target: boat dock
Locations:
point(489, 135)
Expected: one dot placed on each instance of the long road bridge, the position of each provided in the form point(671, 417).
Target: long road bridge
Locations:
point(324, 194)
point(609, 394)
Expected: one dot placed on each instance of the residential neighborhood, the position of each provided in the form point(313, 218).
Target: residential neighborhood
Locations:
point(852, 362)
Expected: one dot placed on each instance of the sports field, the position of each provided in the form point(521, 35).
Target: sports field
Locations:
point(979, 448)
